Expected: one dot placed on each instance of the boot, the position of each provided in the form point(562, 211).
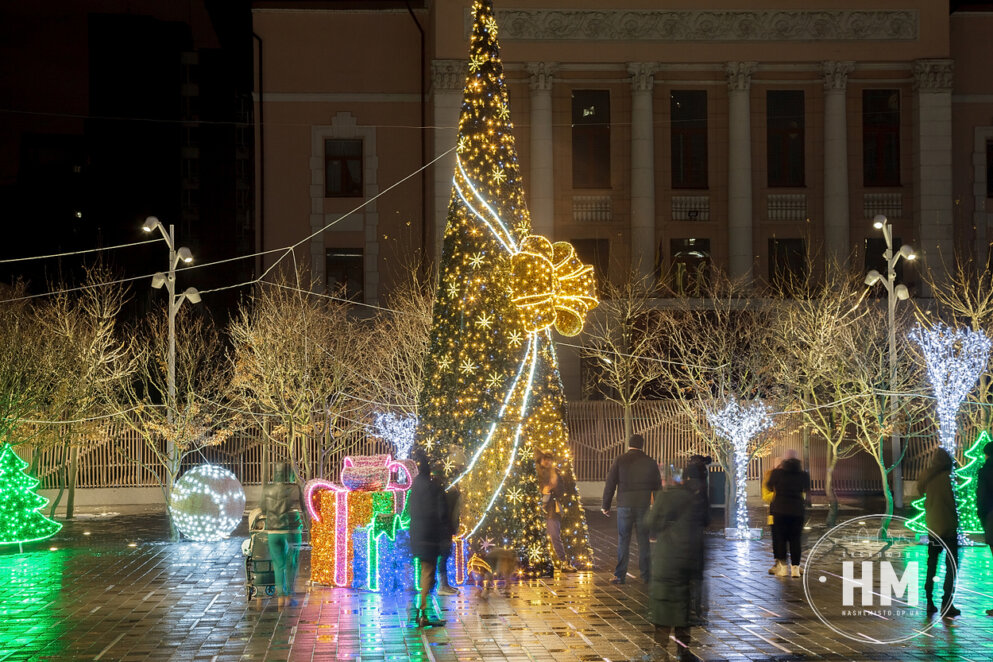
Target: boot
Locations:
point(795, 571)
point(949, 610)
point(782, 570)
point(772, 570)
point(425, 621)
point(444, 587)
point(931, 609)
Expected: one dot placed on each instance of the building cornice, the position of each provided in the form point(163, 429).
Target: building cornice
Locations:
point(699, 25)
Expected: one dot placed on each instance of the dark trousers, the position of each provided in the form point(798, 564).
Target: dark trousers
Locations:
point(554, 527)
point(787, 530)
point(628, 519)
point(934, 550)
point(284, 549)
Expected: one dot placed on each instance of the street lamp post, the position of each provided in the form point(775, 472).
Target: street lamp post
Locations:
point(190, 294)
point(893, 293)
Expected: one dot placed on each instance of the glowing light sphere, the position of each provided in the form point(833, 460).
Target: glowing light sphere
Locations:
point(207, 503)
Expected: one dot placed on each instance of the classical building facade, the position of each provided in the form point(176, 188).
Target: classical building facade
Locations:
point(664, 140)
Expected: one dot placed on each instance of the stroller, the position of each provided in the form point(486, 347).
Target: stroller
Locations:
point(259, 577)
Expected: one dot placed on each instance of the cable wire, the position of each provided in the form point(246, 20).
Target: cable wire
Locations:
point(82, 252)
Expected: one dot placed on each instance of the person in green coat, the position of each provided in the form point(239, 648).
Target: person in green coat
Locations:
point(942, 519)
point(676, 523)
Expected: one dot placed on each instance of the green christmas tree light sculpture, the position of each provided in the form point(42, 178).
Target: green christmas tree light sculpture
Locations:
point(491, 383)
point(20, 520)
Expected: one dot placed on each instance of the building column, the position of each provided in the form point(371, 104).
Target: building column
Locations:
point(837, 224)
point(542, 199)
point(932, 164)
point(740, 240)
point(447, 88)
point(642, 168)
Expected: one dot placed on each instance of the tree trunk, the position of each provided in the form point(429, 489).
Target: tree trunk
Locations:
point(63, 470)
point(832, 498)
point(172, 472)
point(628, 424)
point(71, 482)
point(884, 474)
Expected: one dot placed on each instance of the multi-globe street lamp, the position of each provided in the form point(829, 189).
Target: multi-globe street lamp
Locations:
point(168, 278)
point(894, 292)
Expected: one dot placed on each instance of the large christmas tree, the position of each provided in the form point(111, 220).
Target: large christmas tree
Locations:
point(492, 384)
point(20, 520)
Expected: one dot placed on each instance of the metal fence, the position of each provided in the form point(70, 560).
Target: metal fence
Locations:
point(596, 434)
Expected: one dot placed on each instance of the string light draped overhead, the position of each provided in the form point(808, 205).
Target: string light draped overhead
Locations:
point(492, 384)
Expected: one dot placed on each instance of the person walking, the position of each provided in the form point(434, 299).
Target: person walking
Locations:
point(453, 501)
point(430, 532)
point(984, 499)
point(695, 477)
point(635, 477)
point(676, 522)
point(767, 496)
point(282, 507)
point(791, 485)
point(551, 496)
point(942, 519)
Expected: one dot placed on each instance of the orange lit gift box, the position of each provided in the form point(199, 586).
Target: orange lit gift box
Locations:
point(369, 485)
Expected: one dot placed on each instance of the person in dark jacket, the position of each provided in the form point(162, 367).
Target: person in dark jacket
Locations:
point(984, 498)
point(430, 531)
point(695, 476)
point(942, 519)
point(453, 501)
point(676, 521)
point(282, 507)
point(635, 477)
point(551, 498)
point(791, 485)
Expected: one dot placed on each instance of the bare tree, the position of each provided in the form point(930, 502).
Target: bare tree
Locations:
point(872, 414)
point(622, 338)
point(966, 297)
point(816, 333)
point(83, 360)
point(199, 417)
point(298, 371)
point(22, 383)
point(719, 346)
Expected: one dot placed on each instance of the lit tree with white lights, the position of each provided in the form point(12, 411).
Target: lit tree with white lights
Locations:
point(740, 425)
point(491, 380)
point(955, 359)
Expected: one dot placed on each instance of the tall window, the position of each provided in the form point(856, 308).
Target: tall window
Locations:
point(597, 253)
point(342, 168)
point(344, 272)
point(690, 265)
point(688, 138)
point(989, 168)
point(785, 137)
point(881, 137)
point(787, 262)
point(591, 139)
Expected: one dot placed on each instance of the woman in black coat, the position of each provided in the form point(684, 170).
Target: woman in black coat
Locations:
point(942, 519)
point(792, 485)
point(430, 530)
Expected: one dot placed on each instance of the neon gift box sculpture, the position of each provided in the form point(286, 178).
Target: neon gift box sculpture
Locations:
point(369, 485)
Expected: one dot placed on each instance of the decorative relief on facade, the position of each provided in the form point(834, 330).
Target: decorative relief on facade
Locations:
point(691, 207)
point(888, 204)
point(786, 206)
point(642, 75)
point(540, 75)
point(592, 209)
point(691, 25)
point(836, 74)
point(934, 75)
point(739, 75)
point(449, 74)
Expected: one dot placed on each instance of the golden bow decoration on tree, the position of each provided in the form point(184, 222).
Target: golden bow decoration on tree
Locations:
point(551, 286)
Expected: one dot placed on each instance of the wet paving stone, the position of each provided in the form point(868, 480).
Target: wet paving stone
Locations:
point(97, 598)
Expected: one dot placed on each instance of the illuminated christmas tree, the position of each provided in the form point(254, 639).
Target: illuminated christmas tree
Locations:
point(20, 520)
point(965, 491)
point(492, 384)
